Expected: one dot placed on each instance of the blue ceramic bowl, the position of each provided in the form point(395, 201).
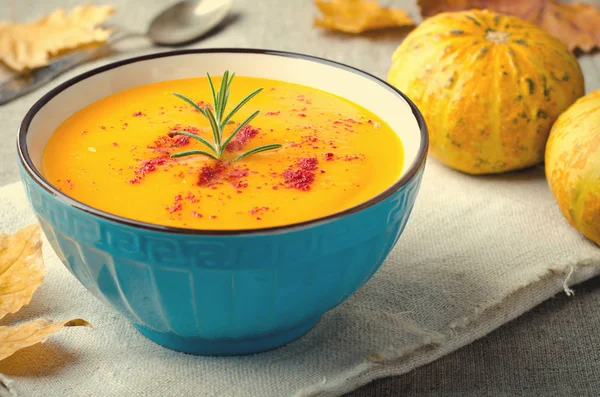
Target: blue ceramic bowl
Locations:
point(223, 292)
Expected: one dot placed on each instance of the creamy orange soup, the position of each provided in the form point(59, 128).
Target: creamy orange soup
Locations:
point(114, 155)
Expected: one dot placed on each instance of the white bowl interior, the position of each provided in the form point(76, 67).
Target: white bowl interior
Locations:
point(363, 91)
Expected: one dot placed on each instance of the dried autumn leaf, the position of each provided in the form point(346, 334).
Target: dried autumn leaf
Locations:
point(576, 24)
point(16, 338)
point(21, 273)
point(30, 45)
point(21, 268)
point(357, 16)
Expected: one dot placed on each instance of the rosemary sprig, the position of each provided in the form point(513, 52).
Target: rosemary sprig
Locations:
point(192, 152)
point(218, 123)
point(258, 150)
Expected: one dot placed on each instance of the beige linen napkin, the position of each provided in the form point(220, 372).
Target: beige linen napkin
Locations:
point(477, 252)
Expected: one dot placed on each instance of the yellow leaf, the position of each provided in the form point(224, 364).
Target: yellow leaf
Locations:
point(16, 338)
point(21, 268)
point(30, 45)
point(357, 16)
point(575, 24)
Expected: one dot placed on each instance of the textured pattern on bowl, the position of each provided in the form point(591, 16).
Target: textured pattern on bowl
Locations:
point(223, 293)
point(262, 290)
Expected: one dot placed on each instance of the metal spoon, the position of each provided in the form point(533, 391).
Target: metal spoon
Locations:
point(178, 24)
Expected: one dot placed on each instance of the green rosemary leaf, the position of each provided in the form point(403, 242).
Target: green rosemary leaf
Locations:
point(215, 131)
point(193, 152)
point(196, 137)
point(258, 150)
point(239, 127)
point(239, 106)
point(212, 90)
point(225, 103)
point(222, 95)
point(188, 100)
point(231, 78)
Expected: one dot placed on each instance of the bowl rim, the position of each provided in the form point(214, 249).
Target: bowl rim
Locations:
point(35, 174)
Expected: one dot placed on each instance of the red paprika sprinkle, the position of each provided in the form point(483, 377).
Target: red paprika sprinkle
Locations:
point(256, 210)
point(191, 198)
point(273, 113)
point(178, 197)
point(301, 115)
point(189, 128)
point(350, 157)
point(298, 179)
point(237, 173)
point(147, 167)
point(210, 174)
point(196, 215)
point(307, 163)
point(203, 105)
point(115, 144)
point(178, 127)
point(181, 140)
point(302, 177)
point(242, 137)
point(174, 208)
point(329, 156)
point(138, 114)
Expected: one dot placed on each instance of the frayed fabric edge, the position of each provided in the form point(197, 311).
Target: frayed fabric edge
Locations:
point(429, 339)
point(473, 328)
point(565, 271)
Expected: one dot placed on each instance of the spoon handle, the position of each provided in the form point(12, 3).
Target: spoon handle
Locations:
point(25, 83)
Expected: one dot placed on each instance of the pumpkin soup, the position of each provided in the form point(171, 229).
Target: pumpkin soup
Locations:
point(297, 154)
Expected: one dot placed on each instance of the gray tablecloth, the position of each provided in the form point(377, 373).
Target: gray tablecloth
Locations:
point(551, 351)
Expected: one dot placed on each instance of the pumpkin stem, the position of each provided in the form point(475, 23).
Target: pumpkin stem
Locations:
point(497, 36)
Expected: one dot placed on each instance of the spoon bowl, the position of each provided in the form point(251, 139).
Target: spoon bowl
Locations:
point(187, 20)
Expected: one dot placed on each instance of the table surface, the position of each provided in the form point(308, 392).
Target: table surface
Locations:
point(550, 351)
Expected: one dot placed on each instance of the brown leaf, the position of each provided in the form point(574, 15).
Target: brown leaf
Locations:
point(576, 24)
point(16, 338)
point(30, 45)
point(357, 16)
point(21, 268)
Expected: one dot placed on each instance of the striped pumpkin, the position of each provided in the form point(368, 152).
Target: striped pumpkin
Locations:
point(490, 87)
point(573, 165)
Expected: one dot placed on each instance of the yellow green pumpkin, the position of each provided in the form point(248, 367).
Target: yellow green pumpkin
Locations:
point(490, 87)
point(573, 165)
